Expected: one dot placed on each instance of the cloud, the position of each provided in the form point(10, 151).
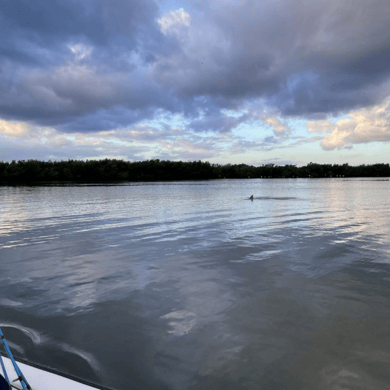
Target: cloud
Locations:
point(101, 22)
point(216, 122)
point(48, 143)
point(80, 51)
point(361, 126)
point(276, 161)
point(279, 128)
point(79, 97)
point(90, 66)
point(320, 126)
point(302, 57)
point(174, 18)
point(12, 128)
point(62, 64)
point(135, 143)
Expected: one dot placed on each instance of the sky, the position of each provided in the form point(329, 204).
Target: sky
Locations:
point(252, 82)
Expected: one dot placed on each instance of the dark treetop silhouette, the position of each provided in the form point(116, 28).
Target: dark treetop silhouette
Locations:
point(156, 170)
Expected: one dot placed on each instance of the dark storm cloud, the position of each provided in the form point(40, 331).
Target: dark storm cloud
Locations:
point(103, 23)
point(79, 99)
point(303, 56)
point(100, 87)
point(91, 65)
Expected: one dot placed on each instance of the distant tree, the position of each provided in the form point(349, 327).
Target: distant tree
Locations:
point(152, 170)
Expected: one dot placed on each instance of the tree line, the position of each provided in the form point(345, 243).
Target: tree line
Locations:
point(155, 170)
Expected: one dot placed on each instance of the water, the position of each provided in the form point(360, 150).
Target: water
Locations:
point(191, 285)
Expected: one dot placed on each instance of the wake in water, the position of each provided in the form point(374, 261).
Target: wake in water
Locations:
point(53, 347)
point(272, 197)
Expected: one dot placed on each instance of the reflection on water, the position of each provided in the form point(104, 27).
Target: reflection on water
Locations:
point(191, 285)
point(348, 353)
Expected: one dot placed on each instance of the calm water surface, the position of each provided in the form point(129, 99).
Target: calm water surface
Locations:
point(191, 285)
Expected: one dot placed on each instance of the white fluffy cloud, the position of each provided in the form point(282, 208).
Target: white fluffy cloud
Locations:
point(320, 126)
point(12, 128)
point(174, 18)
point(278, 127)
point(361, 126)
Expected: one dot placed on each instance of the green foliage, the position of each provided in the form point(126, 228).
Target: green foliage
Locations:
point(32, 171)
